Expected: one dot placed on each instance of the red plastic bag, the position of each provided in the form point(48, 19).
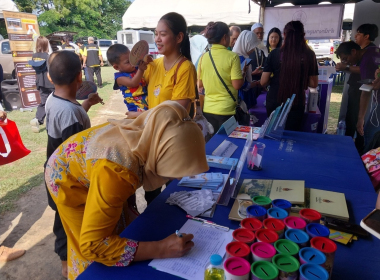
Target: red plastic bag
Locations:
point(11, 146)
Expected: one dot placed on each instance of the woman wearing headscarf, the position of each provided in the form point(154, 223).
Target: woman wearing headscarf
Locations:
point(294, 68)
point(219, 105)
point(244, 46)
point(92, 174)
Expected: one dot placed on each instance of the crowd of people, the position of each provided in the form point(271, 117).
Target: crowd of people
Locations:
point(92, 173)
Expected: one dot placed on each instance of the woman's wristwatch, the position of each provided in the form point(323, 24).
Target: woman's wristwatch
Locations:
point(347, 67)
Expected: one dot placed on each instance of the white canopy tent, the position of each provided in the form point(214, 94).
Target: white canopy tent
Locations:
point(7, 5)
point(146, 13)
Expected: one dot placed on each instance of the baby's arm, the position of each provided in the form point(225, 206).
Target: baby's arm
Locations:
point(135, 81)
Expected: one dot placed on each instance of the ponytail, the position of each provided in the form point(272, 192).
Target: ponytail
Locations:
point(185, 46)
point(177, 24)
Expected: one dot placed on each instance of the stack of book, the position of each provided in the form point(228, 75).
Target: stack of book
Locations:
point(210, 181)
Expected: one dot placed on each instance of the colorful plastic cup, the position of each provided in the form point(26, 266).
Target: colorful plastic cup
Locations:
point(298, 236)
point(237, 249)
point(263, 270)
point(315, 230)
point(286, 247)
point(310, 271)
point(262, 251)
point(266, 235)
point(252, 224)
point(328, 247)
point(310, 216)
point(236, 269)
point(274, 224)
point(243, 235)
point(256, 211)
point(294, 222)
point(311, 255)
point(287, 266)
point(277, 213)
point(263, 201)
point(283, 204)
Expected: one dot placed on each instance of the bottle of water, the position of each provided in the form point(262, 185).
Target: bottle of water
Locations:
point(341, 128)
point(214, 269)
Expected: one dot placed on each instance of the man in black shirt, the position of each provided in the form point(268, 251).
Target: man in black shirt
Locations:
point(92, 59)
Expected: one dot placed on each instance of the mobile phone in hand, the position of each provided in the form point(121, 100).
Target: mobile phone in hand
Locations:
point(371, 223)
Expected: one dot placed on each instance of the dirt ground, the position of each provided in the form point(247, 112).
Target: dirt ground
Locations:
point(30, 225)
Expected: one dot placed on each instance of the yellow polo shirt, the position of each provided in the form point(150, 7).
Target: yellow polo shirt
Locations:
point(162, 88)
point(217, 100)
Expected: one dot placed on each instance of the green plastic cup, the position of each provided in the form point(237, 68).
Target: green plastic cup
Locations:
point(286, 247)
point(263, 270)
point(263, 201)
point(287, 266)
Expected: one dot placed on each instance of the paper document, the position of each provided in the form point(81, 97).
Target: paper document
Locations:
point(207, 240)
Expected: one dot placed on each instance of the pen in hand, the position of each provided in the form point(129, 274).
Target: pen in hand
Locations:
point(178, 233)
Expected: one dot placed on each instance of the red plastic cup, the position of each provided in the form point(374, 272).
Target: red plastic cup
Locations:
point(266, 235)
point(275, 224)
point(252, 224)
point(237, 249)
point(310, 216)
point(328, 247)
point(292, 222)
point(243, 235)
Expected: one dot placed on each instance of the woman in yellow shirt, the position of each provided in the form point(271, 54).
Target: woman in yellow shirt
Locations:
point(219, 106)
point(93, 173)
point(173, 76)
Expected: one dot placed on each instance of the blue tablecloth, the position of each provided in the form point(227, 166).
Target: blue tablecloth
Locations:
point(327, 162)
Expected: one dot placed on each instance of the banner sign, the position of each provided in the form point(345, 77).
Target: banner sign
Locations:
point(23, 31)
point(320, 21)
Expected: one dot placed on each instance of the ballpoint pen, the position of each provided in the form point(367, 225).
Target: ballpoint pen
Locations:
point(208, 222)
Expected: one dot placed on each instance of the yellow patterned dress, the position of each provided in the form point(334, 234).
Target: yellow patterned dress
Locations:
point(90, 188)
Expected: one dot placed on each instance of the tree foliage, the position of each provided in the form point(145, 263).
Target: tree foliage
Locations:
point(100, 18)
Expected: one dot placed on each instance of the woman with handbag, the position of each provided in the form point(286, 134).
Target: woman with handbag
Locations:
point(220, 74)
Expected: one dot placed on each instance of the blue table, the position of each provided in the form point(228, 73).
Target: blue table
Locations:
point(327, 162)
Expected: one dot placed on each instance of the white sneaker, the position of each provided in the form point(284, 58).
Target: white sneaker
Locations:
point(35, 125)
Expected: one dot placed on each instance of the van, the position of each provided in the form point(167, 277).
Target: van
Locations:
point(130, 37)
point(6, 60)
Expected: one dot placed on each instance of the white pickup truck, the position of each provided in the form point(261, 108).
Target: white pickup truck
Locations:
point(6, 60)
point(130, 37)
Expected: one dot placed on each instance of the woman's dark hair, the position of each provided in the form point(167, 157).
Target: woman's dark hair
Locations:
point(177, 24)
point(295, 63)
point(216, 31)
point(369, 29)
point(42, 44)
point(275, 30)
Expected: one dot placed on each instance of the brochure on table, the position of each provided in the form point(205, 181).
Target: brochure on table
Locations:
point(274, 126)
point(234, 130)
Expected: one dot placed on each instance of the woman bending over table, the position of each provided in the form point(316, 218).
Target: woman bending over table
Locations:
point(294, 68)
point(92, 174)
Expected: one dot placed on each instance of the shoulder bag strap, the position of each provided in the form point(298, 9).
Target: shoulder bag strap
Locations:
point(220, 78)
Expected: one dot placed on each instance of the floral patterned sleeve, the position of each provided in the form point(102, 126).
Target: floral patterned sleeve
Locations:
point(110, 186)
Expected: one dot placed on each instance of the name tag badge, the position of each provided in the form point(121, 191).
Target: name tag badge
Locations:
point(157, 90)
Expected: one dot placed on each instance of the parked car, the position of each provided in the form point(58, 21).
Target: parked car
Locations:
point(131, 37)
point(322, 48)
point(104, 44)
point(6, 60)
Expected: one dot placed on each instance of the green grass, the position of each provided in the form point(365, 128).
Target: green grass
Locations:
point(21, 176)
point(336, 99)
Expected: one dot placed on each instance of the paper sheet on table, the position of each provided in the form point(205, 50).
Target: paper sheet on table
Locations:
point(207, 240)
